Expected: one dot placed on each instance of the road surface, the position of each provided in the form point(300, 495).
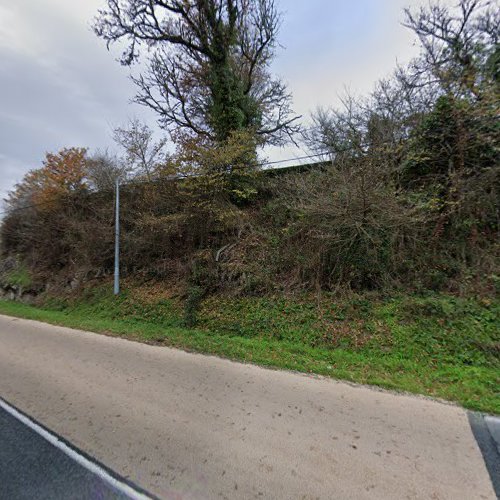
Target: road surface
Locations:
point(31, 466)
point(188, 426)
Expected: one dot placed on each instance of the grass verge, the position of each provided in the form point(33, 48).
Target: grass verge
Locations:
point(438, 345)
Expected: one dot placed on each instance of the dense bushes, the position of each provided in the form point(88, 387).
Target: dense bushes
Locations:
point(408, 198)
point(348, 227)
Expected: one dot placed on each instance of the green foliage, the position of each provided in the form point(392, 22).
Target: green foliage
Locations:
point(455, 137)
point(19, 277)
point(231, 109)
point(449, 329)
point(14, 273)
point(217, 172)
point(434, 329)
point(194, 297)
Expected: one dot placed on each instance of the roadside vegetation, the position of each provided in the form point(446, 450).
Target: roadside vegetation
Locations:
point(432, 344)
point(378, 262)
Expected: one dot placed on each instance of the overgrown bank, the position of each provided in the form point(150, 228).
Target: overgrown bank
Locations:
point(403, 202)
point(433, 344)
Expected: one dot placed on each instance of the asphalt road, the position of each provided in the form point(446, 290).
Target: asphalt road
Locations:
point(187, 426)
point(31, 467)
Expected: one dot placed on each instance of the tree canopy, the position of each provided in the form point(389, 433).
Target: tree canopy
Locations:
point(208, 62)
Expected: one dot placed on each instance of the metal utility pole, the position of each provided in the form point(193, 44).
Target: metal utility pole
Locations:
point(117, 236)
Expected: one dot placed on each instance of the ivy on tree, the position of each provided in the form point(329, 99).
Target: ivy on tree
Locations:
point(208, 65)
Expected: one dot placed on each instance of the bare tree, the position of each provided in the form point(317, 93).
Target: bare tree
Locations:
point(456, 45)
point(103, 168)
point(208, 64)
point(142, 154)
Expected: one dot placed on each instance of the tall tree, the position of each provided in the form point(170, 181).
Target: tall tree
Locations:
point(459, 47)
point(208, 64)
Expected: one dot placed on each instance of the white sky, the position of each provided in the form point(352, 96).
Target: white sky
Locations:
point(60, 87)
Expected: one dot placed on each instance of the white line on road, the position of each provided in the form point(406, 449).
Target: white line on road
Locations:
point(74, 455)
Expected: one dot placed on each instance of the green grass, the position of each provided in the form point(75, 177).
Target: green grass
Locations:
point(19, 277)
point(437, 345)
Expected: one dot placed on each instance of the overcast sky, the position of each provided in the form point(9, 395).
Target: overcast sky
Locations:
point(60, 87)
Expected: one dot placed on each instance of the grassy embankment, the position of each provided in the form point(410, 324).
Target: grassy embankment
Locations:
point(436, 345)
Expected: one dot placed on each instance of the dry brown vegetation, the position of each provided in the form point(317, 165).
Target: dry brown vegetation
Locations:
point(407, 197)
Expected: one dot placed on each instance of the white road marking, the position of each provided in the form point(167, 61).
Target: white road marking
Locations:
point(74, 455)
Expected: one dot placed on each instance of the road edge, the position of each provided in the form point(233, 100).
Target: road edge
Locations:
point(319, 376)
point(488, 447)
point(85, 460)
